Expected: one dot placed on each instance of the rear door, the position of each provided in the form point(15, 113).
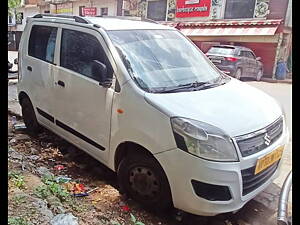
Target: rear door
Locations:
point(253, 64)
point(38, 67)
point(244, 63)
point(82, 105)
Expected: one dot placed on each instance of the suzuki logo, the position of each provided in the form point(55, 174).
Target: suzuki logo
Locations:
point(267, 139)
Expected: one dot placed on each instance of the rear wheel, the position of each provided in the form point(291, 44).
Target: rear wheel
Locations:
point(238, 73)
point(143, 179)
point(259, 75)
point(29, 117)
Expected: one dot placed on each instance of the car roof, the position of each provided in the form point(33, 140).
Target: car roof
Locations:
point(107, 23)
point(233, 46)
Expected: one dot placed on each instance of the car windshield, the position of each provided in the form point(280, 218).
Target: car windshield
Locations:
point(159, 59)
point(221, 50)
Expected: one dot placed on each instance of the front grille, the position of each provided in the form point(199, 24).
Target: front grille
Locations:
point(251, 181)
point(257, 141)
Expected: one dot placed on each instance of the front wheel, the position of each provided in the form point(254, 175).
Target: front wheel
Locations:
point(143, 179)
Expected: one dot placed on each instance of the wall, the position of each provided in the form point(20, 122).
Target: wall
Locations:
point(110, 4)
point(277, 9)
point(288, 18)
point(27, 11)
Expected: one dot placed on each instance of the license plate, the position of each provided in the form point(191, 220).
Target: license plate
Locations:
point(268, 160)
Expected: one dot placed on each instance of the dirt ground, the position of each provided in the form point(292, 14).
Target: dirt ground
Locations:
point(35, 200)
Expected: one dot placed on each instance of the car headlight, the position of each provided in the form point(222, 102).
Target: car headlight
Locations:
point(204, 140)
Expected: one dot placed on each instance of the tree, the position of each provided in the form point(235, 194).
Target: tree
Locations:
point(12, 5)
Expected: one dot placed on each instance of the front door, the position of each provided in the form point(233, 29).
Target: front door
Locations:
point(82, 105)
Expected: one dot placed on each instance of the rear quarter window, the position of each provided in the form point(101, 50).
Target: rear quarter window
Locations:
point(42, 42)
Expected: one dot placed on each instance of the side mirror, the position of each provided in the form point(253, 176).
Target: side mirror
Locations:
point(100, 70)
point(16, 61)
point(258, 58)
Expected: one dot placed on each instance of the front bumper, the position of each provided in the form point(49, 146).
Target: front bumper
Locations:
point(181, 168)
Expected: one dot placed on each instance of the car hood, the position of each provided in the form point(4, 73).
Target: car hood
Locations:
point(235, 107)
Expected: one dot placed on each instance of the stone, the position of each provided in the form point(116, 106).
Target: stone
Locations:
point(21, 137)
point(64, 219)
point(43, 171)
point(34, 151)
point(33, 157)
point(13, 154)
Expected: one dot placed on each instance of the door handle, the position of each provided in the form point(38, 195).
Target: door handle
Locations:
point(29, 68)
point(61, 83)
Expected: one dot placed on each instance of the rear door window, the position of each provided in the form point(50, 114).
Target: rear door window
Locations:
point(79, 53)
point(42, 42)
point(251, 55)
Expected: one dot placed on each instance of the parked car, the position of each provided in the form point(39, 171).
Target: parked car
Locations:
point(142, 99)
point(237, 61)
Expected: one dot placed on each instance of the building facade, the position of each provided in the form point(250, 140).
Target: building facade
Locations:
point(265, 26)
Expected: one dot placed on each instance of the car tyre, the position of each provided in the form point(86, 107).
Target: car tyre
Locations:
point(238, 73)
point(29, 118)
point(259, 75)
point(142, 178)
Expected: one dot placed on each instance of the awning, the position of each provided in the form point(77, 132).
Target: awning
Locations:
point(227, 27)
point(229, 31)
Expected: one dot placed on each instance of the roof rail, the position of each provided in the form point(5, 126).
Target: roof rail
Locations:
point(129, 18)
point(77, 19)
point(149, 20)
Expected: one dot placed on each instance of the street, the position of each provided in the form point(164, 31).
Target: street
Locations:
point(263, 208)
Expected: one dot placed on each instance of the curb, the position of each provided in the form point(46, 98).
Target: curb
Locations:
point(270, 80)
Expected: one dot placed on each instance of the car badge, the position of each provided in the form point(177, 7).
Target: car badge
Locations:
point(267, 139)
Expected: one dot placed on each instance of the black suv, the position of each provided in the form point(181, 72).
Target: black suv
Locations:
point(236, 61)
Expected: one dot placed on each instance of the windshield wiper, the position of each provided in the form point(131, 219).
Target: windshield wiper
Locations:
point(180, 87)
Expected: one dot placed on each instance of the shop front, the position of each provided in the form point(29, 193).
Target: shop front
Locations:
point(264, 37)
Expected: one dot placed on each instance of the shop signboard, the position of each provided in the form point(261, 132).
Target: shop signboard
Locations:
point(193, 8)
point(65, 8)
point(89, 11)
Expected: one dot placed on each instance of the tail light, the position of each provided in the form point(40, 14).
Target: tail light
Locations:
point(231, 59)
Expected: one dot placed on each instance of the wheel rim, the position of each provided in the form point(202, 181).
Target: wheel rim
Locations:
point(259, 75)
point(144, 182)
point(238, 74)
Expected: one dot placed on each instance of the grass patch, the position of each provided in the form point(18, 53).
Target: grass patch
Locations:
point(17, 179)
point(17, 221)
point(19, 199)
point(52, 187)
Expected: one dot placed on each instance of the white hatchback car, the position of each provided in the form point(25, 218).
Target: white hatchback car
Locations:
point(145, 101)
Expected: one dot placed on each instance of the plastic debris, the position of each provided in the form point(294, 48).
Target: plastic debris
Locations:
point(59, 167)
point(77, 190)
point(20, 126)
point(62, 179)
point(13, 120)
point(94, 189)
point(125, 208)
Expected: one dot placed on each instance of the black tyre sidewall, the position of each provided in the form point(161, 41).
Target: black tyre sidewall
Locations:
point(164, 199)
point(29, 117)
